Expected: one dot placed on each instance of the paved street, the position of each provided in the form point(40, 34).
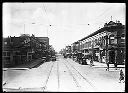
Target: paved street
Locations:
point(64, 75)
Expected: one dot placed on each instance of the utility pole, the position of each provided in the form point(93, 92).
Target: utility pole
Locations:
point(47, 30)
point(24, 28)
point(111, 18)
point(107, 52)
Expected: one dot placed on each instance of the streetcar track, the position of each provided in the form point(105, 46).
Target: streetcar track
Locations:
point(77, 84)
point(48, 78)
point(71, 73)
point(58, 75)
point(83, 77)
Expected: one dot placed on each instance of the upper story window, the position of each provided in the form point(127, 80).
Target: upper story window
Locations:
point(5, 43)
point(4, 53)
point(122, 36)
point(112, 37)
point(112, 40)
point(8, 53)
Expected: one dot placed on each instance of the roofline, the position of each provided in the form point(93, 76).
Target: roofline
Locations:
point(98, 31)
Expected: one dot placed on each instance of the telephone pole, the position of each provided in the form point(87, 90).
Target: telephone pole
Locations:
point(111, 18)
point(24, 28)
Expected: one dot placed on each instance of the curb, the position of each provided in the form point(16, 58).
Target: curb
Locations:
point(37, 64)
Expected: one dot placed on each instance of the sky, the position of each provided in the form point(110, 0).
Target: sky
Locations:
point(69, 22)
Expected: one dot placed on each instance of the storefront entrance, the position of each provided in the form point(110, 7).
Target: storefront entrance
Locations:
point(111, 56)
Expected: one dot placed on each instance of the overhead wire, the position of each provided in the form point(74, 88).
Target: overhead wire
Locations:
point(106, 11)
point(44, 7)
point(97, 19)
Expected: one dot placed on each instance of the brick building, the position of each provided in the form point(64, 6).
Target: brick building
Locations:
point(106, 44)
point(19, 50)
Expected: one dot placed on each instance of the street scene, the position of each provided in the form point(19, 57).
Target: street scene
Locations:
point(63, 47)
point(64, 75)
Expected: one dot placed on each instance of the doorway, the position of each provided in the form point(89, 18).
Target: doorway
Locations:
point(111, 56)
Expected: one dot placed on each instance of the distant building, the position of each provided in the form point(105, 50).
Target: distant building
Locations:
point(68, 49)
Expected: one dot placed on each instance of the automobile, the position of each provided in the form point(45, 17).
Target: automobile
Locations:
point(53, 58)
point(44, 59)
point(84, 58)
point(79, 57)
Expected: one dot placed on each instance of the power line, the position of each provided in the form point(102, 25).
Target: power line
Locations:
point(103, 14)
point(46, 14)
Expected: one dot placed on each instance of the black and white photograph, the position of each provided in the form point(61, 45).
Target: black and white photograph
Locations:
point(63, 47)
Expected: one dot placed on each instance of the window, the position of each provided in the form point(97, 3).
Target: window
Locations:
point(5, 43)
point(112, 39)
point(122, 36)
point(4, 53)
point(103, 41)
point(6, 58)
point(8, 53)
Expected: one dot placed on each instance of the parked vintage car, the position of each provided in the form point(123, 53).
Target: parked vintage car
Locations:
point(84, 60)
point(53, 58)
point(44, 59)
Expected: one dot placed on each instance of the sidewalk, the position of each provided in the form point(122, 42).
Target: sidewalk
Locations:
point(103, 65)
point(105, 81)
point(98, 64)
point(28, 65)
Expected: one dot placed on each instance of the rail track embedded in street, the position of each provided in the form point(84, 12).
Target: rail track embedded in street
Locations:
point(45, 85)
point(85, 79)
point(58, 75)
point(77, 84)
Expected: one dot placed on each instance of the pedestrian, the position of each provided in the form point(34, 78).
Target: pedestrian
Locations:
point(107, 62)
point(91, 61)
point(107, 66)
point(115, 65)
point(121, 76)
